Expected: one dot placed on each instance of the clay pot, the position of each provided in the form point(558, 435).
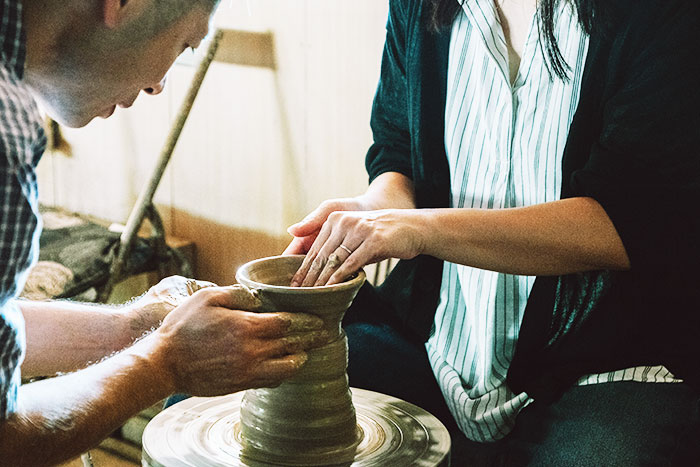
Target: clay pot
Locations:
point(308, 420)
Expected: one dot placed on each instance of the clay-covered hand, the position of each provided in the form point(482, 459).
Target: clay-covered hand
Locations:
point(147, 312)
point(350, 240)
point(306, 231)
point(209, 346)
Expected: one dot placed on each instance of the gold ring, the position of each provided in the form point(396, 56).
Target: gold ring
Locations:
point(346, 249)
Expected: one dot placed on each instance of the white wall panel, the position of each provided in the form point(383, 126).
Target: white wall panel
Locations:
point(262, 147)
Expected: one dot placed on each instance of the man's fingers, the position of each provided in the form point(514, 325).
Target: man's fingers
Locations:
point(194, 285)
point(233, 297)
point(246, 306)
point(277, 325)
point(299, 343)
point(300, 322)
point(174, 290)
point(277, 369)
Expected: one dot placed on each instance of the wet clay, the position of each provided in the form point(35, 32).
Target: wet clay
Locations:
point(310, 419)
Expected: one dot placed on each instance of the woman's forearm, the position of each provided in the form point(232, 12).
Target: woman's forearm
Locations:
point(390, 190)
point(561, 237)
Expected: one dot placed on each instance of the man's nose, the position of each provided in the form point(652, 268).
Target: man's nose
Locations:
point(157, 89)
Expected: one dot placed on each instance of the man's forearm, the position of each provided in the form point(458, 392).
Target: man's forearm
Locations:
point(61, 417)
point(64, 336)
point(555, 238)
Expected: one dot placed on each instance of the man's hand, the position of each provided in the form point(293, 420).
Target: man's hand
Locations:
point(206, 346)
point(64, 336)
point(210, 346)
point(149, 311)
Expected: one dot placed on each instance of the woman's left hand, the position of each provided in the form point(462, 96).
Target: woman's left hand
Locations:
point(350, 240)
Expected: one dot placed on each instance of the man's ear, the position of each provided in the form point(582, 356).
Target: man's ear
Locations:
point(112, 12)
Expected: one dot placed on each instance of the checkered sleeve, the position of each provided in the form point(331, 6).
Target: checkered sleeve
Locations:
point(11, 355)
point(21, 143)
point(17, 224)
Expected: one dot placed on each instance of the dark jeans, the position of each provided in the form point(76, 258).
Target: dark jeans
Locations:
point(611, 424)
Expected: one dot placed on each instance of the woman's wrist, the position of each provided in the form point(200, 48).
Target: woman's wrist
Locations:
point(425, 231)
point(390, 190)
point(367, 202)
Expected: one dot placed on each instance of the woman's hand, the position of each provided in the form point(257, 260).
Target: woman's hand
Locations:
point(347, 241)
point(342, 235)
point(389, 190)
point(306, 231)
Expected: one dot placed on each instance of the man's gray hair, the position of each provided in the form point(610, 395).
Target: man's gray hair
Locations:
point(161, 15)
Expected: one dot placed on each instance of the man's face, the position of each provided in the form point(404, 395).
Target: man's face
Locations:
point(87, 88)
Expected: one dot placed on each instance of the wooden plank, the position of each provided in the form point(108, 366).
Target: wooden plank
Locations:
point(247, 48)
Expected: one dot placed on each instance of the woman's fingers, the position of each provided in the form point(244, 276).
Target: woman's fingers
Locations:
point(305, 231)
point(309, 224)
point(296, 247)
point(313, 263)
point(336, 242)
point(335, 261)
point(324, 252)
point(318, 264)
point(313, 222)
point(350, 240)
point(359, 257)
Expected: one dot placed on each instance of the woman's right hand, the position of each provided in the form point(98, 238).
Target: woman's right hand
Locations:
point(306, 231)
point(390, 190)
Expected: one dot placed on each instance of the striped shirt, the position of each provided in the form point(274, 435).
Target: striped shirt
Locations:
point(504, 146)
point(22, 142)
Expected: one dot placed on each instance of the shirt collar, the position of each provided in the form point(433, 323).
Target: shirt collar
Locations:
point(13, 45)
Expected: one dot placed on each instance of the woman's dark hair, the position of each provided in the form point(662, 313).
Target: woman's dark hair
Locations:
point(444, 12)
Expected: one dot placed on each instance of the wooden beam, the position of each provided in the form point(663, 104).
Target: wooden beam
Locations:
point(247, 48)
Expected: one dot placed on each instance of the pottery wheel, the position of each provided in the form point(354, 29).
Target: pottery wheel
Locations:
point(205, 431)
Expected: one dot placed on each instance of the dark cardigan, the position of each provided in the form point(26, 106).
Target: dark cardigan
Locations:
point(633, 145)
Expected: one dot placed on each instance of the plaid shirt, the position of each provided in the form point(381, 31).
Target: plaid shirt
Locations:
point(22, 142)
